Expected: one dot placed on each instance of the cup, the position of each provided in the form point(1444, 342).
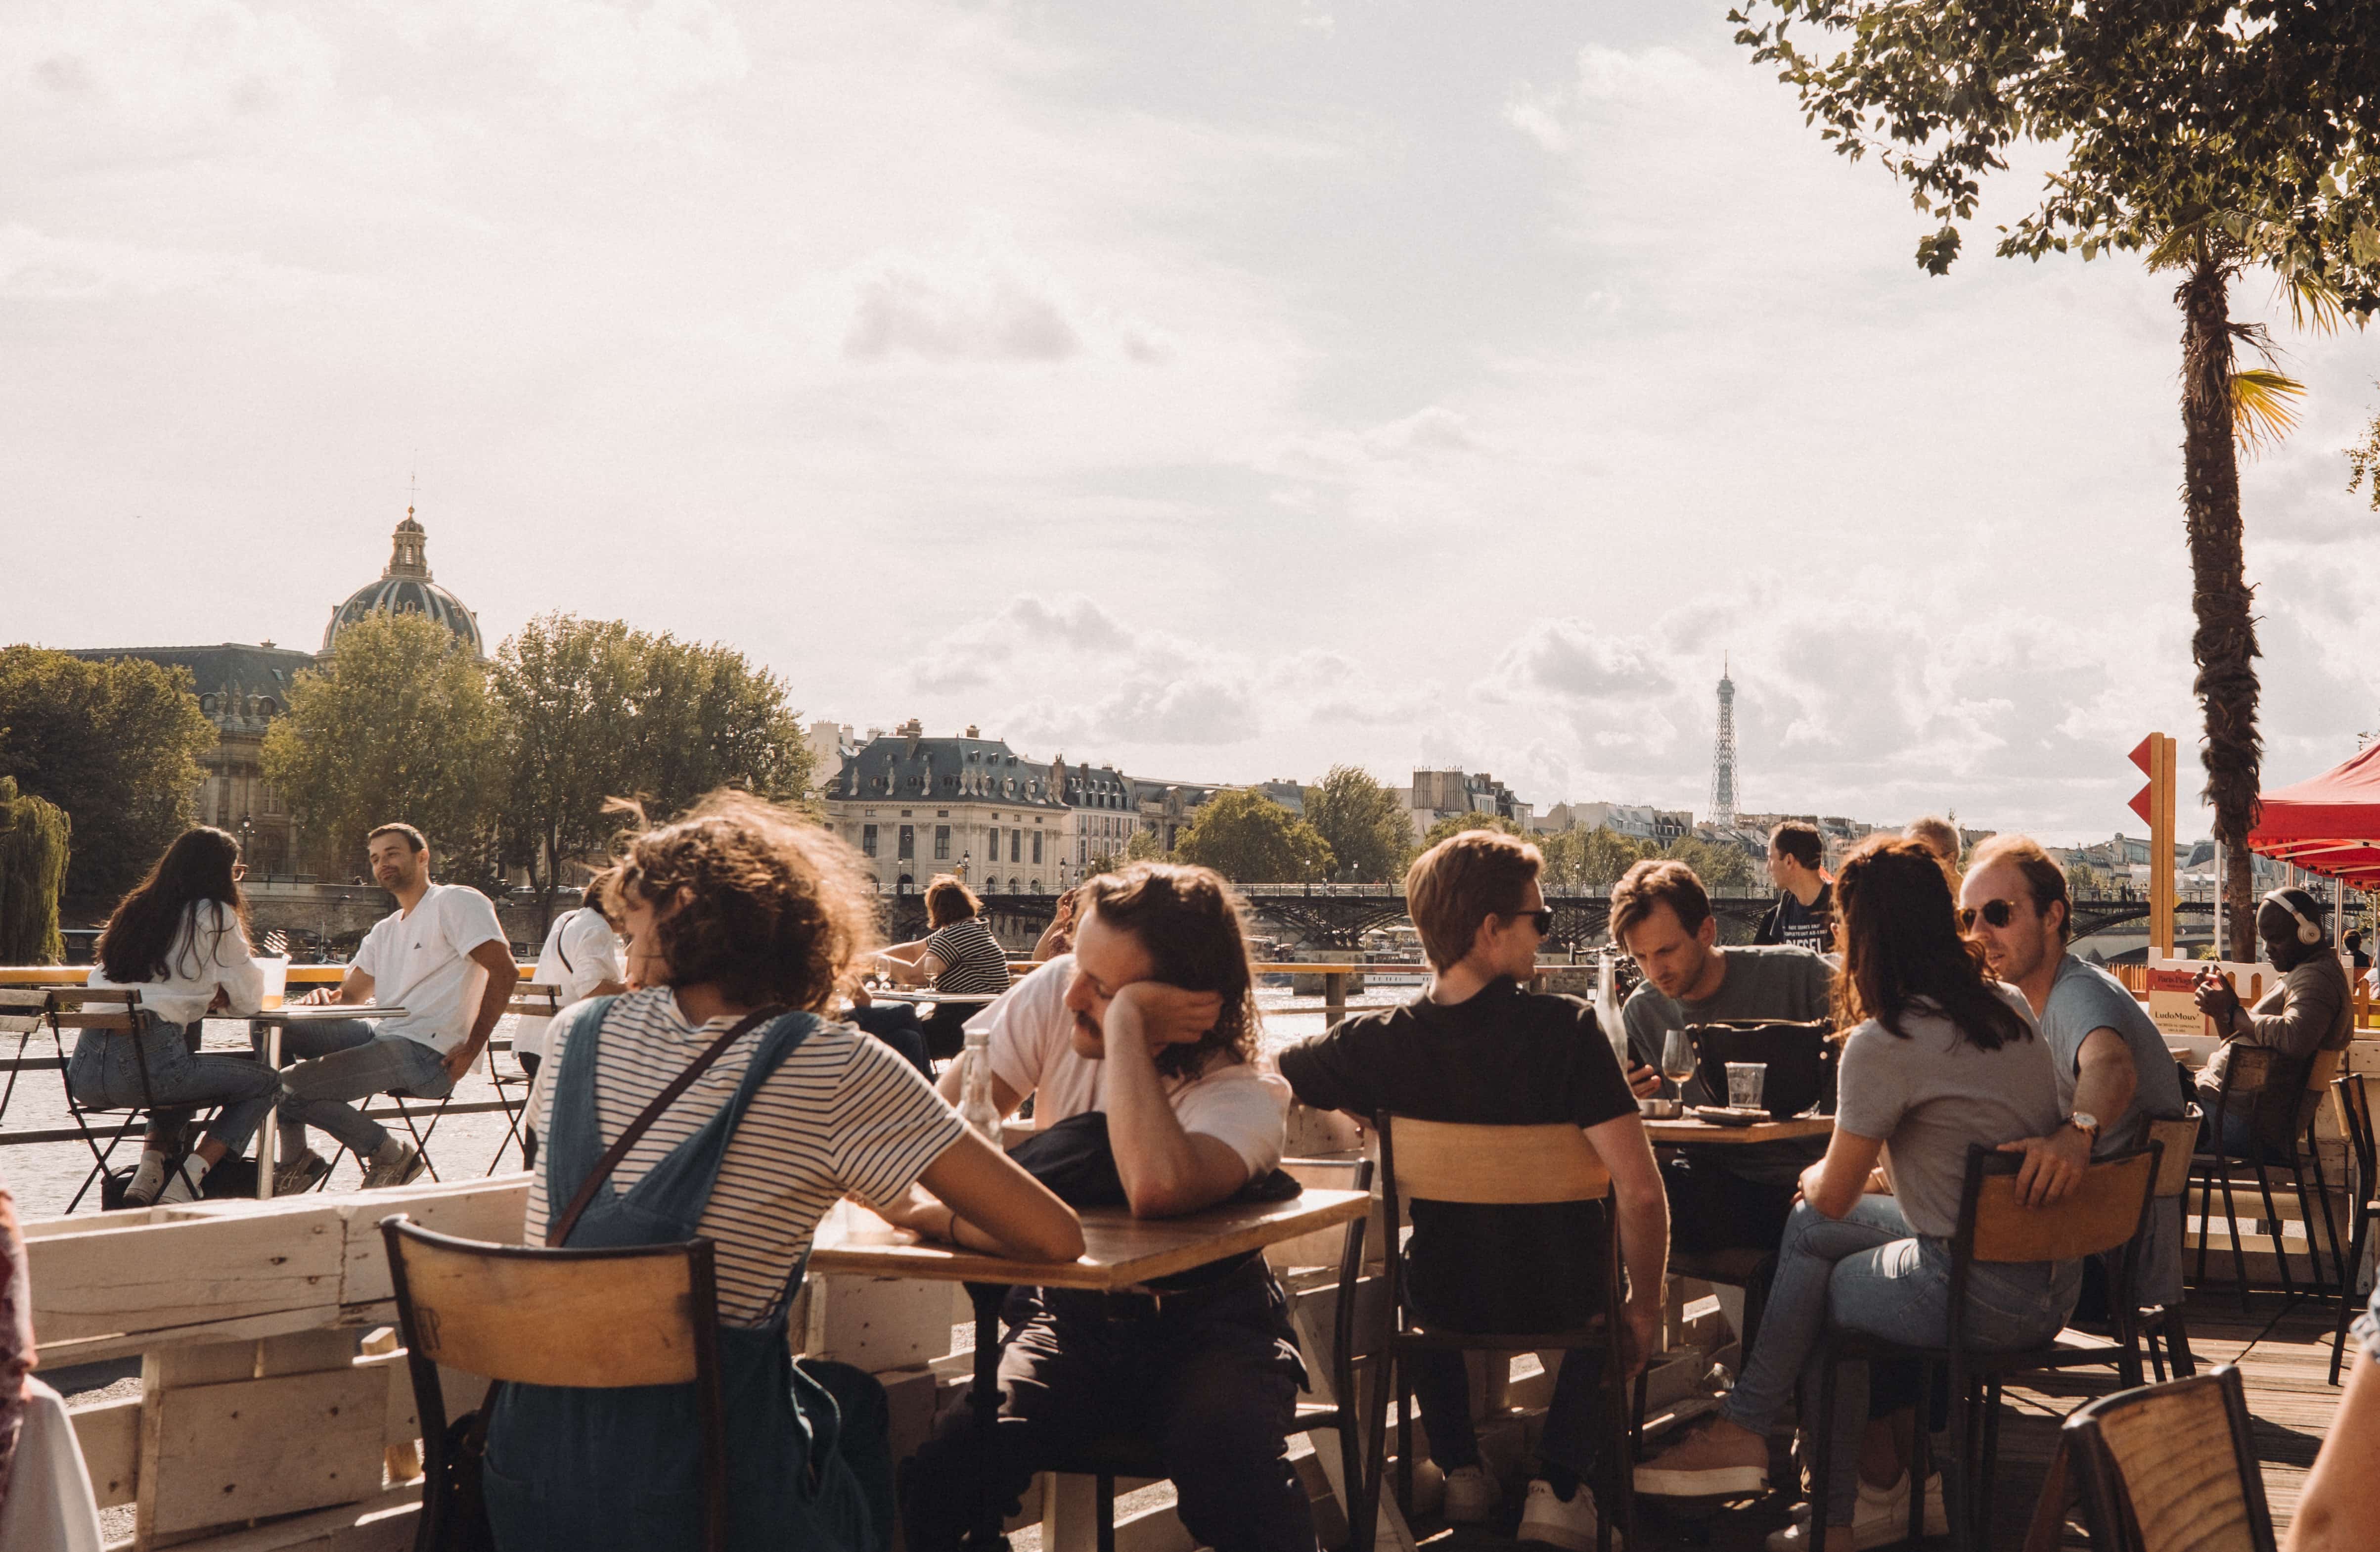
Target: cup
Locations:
point(275, 970)
point(1745, 1082)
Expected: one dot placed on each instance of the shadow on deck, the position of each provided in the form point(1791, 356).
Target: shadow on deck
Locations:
point(2281, 1345)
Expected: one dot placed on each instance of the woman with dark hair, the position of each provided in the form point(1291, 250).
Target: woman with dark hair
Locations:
point(1940, 1057)
point(180, 939)
point(960, 957)
point(743, 921)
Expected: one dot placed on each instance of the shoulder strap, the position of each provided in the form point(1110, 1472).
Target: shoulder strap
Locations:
point(561, 947)
point(559, 1233)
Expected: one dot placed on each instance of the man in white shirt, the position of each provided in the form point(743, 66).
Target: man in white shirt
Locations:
point(427, 958)
point(581, 959)
point(1151, 1020)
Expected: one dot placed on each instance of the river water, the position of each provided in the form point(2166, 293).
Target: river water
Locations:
point(45, 1176)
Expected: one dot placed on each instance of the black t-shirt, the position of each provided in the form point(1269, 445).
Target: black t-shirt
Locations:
point(1506, 1057)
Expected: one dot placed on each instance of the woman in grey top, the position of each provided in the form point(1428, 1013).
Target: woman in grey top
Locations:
point(1939, 1056)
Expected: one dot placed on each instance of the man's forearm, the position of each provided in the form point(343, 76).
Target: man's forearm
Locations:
point(1644, 1249)
point(2104, 1087)
point(493, 1001)
point(1153, 1155)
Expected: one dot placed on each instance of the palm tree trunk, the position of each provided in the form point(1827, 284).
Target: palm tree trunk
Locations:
point(2224, 644)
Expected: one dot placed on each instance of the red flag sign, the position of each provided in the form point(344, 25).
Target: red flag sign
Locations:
point(2144, 757)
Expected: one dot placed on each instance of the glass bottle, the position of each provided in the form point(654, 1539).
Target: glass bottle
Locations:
point(976, 1105)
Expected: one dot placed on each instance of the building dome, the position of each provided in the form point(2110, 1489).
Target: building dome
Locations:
point(405, 588)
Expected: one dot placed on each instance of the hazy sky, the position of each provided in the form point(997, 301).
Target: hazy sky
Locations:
point(1223, 390)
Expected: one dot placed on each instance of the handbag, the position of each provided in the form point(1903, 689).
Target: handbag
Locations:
point(463, 1525)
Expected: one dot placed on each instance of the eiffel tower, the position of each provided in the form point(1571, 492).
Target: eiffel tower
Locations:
point(1722, 793)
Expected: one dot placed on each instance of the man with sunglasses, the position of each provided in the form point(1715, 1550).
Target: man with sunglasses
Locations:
point(1477, 1048)
point(2114, 1074)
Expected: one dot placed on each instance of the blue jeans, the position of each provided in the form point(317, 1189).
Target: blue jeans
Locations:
point(343, 1059)
point(104, 1073)
point(1873, 1274)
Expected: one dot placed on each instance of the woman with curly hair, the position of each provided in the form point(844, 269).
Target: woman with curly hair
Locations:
point(1147, 1034)
point(180, 939)
point(1940, 1057)
point(743, 921)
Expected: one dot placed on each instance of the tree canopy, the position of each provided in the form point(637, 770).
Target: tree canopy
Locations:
point(1365, 826)
point(33, 849)
point(116, 744)
point(1248, 837)
point(398, 725)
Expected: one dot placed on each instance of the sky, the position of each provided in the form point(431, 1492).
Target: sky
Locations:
point(1221, 390)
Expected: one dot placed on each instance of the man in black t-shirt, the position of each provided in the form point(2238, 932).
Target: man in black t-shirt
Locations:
point(1475, 1048)
point(1804, 913)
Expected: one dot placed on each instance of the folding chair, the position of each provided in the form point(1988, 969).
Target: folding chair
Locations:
point(102, 1014)
point(1136, 1456)
point(530, 1000)
point(24, 1012)
point(2105, 1212)
point(2364, 1179)
point(2171, 1468)
point(2251, 1068)
point(1501, 1166)
point(2162, 1330)
point(585, 1319)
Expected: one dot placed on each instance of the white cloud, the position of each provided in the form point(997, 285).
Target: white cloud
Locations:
point(984, 299)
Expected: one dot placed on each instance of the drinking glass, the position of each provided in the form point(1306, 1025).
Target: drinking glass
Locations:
point(1676, 1057)
point(1745, 1080)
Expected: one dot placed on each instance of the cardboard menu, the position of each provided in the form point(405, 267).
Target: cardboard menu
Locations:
point(2173, 1004)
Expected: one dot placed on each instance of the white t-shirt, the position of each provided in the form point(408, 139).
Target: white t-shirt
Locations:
point(209, 951)
point(421, 962)
point(581, 952)
point(1242, 1105)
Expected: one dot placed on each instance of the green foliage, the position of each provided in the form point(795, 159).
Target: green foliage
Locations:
point(1717, 865)
point(1248, 837)
point(116, 744)
point(33, 852)
point(1141, 846)
point(1582, 858)
point(400, 725)
point(2084, 878)
point(1455, 824)
point(1364, 824)
point(705, 718)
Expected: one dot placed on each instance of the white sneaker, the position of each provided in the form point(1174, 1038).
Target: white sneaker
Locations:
point(1473, 1495)
point(395, 1164)
point(184, 1186)
point(147, 1180)
point(1880, 1518)
point(1571, 1526)
point(300, 1174)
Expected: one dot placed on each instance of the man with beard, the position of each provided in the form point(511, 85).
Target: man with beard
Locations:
point(2114, 1077)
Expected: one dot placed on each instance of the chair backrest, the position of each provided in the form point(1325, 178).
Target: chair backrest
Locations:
point(23, 1009)
point(2355, 1123)
point(81, 1008)
point(2103, 1212)
point(1490, 1166)
point(2323, 1069)
point(582, 1319)
point(643, 1315)
point(2171, 1468)
point(2179, 1139)
point(2248, 1069)
point(535, 999)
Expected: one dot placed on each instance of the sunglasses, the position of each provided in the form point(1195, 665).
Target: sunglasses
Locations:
point(1996, 912)
point(1545, 920)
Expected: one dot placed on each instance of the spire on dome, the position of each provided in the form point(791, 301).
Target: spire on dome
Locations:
point(409, 555)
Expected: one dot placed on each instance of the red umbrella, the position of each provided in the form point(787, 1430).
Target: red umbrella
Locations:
point(2328, 824)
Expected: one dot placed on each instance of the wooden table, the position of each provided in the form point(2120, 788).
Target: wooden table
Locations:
point(1689, 1129)
point(961, 999)
point(274, 1021)
point(1120, 1251)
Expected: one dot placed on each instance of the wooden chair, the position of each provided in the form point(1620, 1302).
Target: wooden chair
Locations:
point(2162, 1330)
point(2171, 1468)
point(1134, 1456)
point(2363, 1181)
point(103, 1013)
point(24, 1012)
point(1503, 1166)
point(584, 1319)
point(2105, 1213)
point(2251, 1068)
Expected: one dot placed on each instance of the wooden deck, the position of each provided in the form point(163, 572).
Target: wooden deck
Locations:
point(2282, 1346)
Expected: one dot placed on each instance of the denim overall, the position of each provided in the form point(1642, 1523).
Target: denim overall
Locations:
point(583, 1470)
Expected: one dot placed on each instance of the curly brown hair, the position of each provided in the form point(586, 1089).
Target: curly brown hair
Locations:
point(1190, 921)
point(770, 906)
point(949, 900)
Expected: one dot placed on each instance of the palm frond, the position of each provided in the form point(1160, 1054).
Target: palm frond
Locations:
point(2263, 408)
point(2312, 299)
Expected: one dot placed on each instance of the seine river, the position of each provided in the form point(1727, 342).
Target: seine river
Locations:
point(45, 1176)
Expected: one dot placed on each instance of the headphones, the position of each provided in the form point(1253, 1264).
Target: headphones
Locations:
point(2308, 930)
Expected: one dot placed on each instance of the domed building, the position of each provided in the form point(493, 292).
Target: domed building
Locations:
point(405, 588)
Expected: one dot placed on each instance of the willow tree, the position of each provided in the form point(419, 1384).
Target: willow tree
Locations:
point(34, 846)
point(2212, 138)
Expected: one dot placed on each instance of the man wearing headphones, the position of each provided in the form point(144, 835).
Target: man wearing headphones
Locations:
point(2310, 1011)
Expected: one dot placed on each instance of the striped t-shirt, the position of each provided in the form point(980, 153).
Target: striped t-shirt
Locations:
point(844, 1115)
point(971, 957)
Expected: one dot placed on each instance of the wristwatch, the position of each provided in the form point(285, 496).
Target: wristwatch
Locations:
point(2084, 1122)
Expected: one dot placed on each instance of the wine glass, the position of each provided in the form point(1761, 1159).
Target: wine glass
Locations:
point(1677, 1058)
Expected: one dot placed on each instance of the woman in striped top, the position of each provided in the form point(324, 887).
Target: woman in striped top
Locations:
point(960, 957)
point(738, 909)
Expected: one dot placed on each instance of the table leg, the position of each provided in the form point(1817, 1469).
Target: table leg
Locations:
point(984, 1397)
point(268, 1134)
